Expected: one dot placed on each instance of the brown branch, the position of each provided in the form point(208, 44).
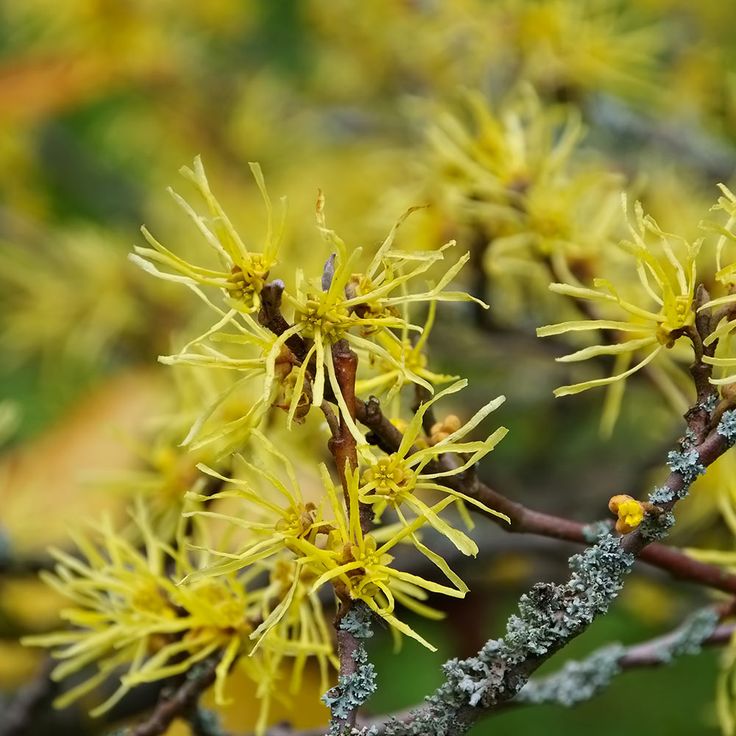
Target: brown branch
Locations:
point(177, 704)
point(648, 654)
point(270, 317)
point(343, 447)
point(528, 521)
point(332, 421)
point(655, 652)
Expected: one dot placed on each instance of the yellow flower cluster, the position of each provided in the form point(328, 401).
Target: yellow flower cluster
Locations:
point(360, 306)
point(657, 299)
point(514, 175)
point(138, 612)
point(658, 310)
point(325, 539)
point(235, 570)
point(725, 279)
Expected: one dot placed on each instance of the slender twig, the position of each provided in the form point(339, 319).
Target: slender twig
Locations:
point(343, 447)
point(176, 704)
point(332, 421)
point(524, 520)
point(651, 653)
point(16, 719)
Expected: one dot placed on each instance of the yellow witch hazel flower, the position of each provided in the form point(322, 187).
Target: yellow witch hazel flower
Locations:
point(408, 357)
point(492, 158)
point(362, 307)
point(244, 273)
point(359, 567)
point(394, 480)
point(237, 407)
point(122, 612)
point(277, 517)
point(166, 474)
point(726, 278)
point(358, 307)
point(588, 45)
point(512, 173)
point(666, 272)
point(293, 618)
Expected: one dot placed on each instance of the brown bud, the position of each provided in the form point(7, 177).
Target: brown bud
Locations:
point(616, 501)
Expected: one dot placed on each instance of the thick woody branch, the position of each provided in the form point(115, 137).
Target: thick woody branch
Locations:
point(582, 680)
point(342, 699)
point(551, 615)
point(579, 681)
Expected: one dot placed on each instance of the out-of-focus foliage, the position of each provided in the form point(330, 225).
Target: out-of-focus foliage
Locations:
point(519, 122)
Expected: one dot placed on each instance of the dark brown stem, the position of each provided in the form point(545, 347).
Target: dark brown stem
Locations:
point(271, 318)
point(331, 418)
point(343, 447)
point(178, 703)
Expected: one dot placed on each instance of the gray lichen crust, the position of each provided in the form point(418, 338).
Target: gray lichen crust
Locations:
point(687, 464)
point(689, 638)
point(661, 495)
point(549, 615)
point(654, 528)
point(576, 682)
point(727, 426)
point(595, 530)
point(354, 689)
